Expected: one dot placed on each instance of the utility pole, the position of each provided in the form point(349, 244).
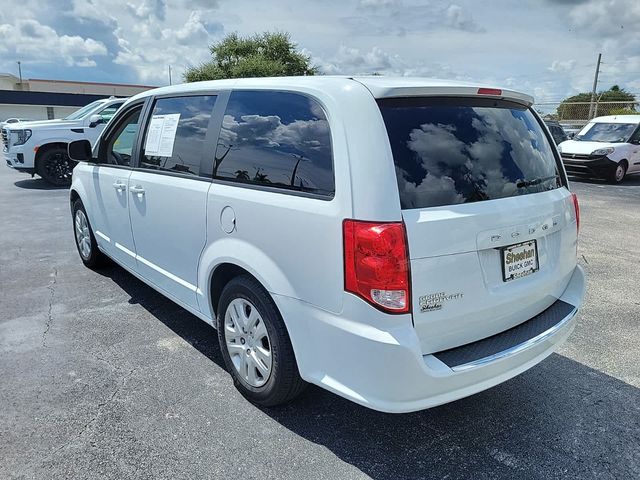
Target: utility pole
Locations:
point(20, 73)
point(595, 86)
point(170, 75)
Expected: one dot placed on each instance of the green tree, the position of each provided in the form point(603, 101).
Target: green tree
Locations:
point(262, 55)
point(576, 107)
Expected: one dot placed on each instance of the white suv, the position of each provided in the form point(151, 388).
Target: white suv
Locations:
point(41, 146)
point(400, 242)
point(607, 147)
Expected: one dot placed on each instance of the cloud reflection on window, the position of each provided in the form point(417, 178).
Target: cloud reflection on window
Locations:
point(453, 155)
point(289, 147)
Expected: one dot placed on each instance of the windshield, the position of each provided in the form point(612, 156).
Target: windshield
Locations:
point(606, 132)
point(448, 151)
point(84, 110)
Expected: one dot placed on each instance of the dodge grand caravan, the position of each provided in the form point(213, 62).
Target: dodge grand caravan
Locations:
point(400, 242)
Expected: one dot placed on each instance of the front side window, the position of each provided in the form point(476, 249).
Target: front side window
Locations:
point(176, 132)
point(109, 112)
point(459, 150)
point(120, 144)
point(606, 132)
point(276, 139)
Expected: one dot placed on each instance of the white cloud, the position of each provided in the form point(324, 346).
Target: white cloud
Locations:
point(501, 43)
point(29, 40)
point(378, 3)
point(618, 19)
point(192, 31)
point(562, 66)
point(459, 18)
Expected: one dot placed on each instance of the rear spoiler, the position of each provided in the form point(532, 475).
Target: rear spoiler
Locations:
point(446, 91)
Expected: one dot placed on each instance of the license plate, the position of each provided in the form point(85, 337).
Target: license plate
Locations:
point(519, 260)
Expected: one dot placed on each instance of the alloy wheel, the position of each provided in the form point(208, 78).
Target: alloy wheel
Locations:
point(83, 235)
point(58, 168)
point(248, 342)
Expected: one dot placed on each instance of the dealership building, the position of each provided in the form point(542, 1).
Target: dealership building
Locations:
point(39, 99)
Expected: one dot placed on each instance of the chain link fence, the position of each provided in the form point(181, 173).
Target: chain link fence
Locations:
point(577, 114)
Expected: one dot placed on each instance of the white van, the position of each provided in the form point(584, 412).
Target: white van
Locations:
point(607, 147)
point(400, 242)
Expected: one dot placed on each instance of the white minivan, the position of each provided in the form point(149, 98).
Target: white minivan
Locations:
point(607, 147)
point(400, 242)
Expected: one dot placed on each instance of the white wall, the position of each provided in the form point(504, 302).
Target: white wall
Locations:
point(33, 112)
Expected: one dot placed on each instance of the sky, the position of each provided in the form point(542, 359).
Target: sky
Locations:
point(547, 48)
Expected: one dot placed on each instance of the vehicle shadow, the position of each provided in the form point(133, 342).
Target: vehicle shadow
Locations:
point(37, 184)
point(629, 181)
point(560, 419)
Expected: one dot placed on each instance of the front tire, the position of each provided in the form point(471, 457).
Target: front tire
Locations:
point(618, 173)
point(55, 167)
point(255, 344)
point(86, 244)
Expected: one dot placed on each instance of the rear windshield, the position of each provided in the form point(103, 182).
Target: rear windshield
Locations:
point(448, 151)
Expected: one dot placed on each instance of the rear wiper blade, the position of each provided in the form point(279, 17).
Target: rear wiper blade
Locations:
point(535, 181)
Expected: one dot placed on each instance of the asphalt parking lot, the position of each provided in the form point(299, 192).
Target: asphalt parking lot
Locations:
point(102, 377)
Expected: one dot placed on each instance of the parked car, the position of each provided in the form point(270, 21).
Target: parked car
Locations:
point(571, 130)
point(41, 146)
point(557, 132)
point(607, 147)
point(400, 242)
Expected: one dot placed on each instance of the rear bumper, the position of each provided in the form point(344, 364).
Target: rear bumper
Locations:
point(587, 165)
point(384, 369)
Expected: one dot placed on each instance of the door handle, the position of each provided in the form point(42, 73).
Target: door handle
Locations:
point(137, 190)
point(119, 186)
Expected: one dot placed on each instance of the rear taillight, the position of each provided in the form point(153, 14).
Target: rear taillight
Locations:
point(574, 199)
point(376, 264)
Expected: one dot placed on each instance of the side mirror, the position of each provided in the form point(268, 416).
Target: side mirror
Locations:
point(94, 120)
point(571, 135)
point(80, 150)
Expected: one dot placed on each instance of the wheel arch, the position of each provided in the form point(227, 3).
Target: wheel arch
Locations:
point(220, 277)
point(45, 147)
point(73, 196)
point(77, 192)
point(233, 255)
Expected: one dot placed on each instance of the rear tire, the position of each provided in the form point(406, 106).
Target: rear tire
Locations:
point(618, 173)
point(55, 166)
point(255, 344)
point(86, 244)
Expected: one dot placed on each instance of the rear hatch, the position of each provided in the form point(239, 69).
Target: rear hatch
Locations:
point(491, 226)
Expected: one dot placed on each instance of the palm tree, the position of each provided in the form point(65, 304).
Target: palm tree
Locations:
point(242, 175)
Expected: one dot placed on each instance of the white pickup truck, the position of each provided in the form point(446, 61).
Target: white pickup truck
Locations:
point(41, 146)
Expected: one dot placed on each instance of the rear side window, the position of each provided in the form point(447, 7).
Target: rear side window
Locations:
point(275, 139)
point(458, 150)
point(175, 136)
